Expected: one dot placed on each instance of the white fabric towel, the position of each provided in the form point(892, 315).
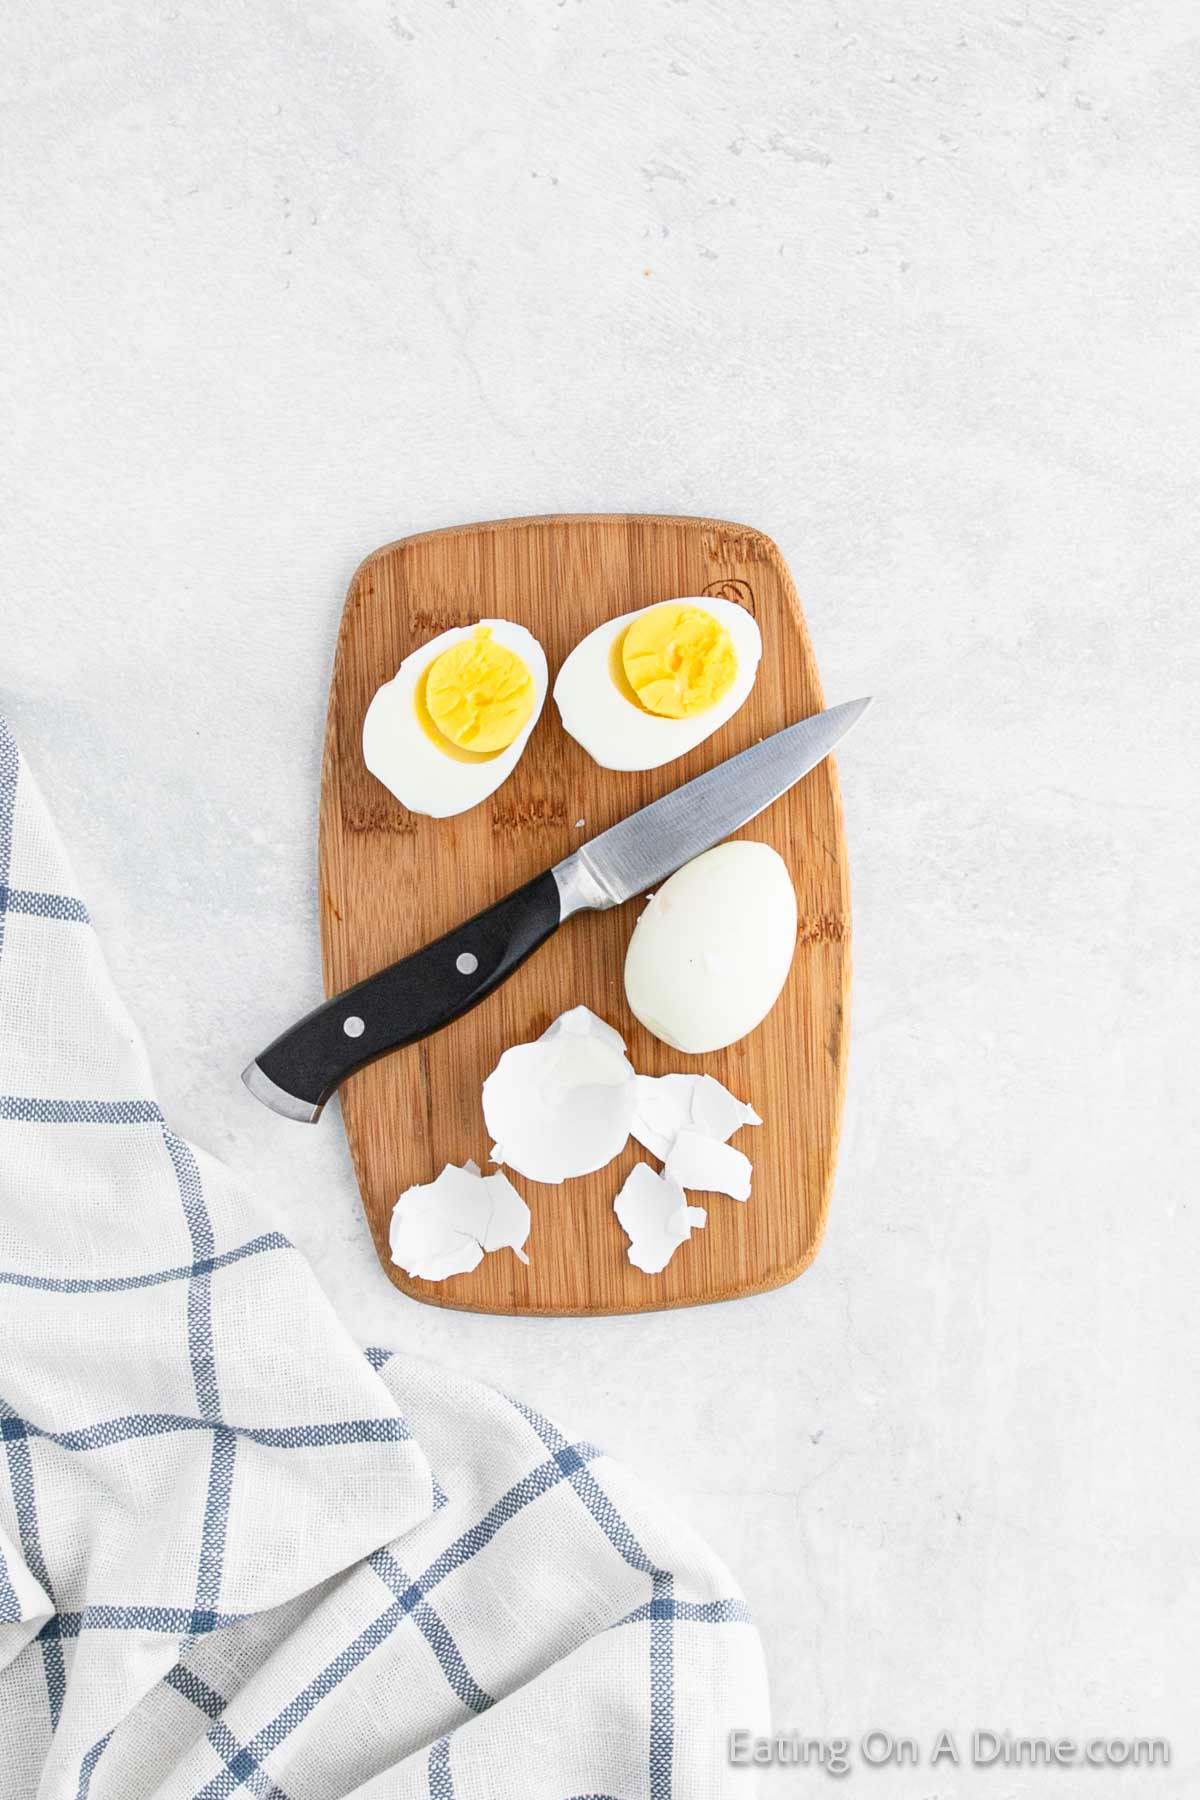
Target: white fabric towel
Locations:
point(239, 1555)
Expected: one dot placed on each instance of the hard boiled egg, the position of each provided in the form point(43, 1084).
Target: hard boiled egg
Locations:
point(650, 685)
point(709, 956)
point(451, 725)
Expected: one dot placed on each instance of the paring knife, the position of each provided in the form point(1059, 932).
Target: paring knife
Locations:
point(418, 995)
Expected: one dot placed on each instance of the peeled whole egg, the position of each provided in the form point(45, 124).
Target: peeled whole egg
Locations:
point(451, 725)
point(710, 954)
point(650, 685)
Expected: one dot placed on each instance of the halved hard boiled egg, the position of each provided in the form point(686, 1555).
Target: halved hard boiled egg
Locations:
point(650, 685)
point(452, 723)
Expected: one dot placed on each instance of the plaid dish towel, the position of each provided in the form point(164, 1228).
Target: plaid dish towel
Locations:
point(239, 1555)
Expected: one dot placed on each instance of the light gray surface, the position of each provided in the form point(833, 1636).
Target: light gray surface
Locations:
point(914, 289)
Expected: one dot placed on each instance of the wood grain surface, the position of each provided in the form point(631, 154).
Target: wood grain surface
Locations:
point(390, 880)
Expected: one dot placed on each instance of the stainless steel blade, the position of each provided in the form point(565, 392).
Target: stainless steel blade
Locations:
point(653, 843)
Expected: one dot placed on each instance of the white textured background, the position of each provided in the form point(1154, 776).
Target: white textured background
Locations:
point(914, 288)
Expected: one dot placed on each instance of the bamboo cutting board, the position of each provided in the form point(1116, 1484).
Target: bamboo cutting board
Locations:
point(390, 881)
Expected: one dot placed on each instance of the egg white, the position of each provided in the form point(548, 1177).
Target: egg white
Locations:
point(613, 729)
point(399, 751)
point(710, 954)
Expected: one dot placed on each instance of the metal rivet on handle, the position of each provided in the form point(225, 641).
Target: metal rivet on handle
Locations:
point(466, 964)
point(353, 1026)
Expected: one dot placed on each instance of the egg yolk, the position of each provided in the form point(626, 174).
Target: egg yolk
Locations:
point(678, 660)
point(478, 694)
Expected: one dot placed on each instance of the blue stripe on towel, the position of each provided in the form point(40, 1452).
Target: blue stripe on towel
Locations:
point(103, 1436)
point(20, 1475)
point(203, 1697)
point(661, 1611)
point(435, 1632)
point(176, 1621)
point(539, 1481)
point(441, 1782)
point(119, 1284)
point(31, 1109)
point(10, 1606)
point(202, 1353)
point(20, 1468)
point(10, 765)
point(695, 1612)
point(43, 906)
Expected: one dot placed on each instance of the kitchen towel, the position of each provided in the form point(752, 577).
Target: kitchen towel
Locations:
point(238, 1553)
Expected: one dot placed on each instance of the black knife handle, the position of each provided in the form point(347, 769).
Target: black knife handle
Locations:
point(414, 997)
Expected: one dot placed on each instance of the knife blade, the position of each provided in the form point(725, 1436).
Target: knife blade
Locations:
point(296, 1074)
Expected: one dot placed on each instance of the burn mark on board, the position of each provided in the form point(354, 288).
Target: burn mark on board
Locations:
point(732, 587)
point(528, 815)
point(828, 928)
point(736, 547)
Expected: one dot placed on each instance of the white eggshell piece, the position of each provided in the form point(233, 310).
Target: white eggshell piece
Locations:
point(718, 1113)
point(654, 1215)
point(581, 1021)
point(618, 733)
point(399, 751)
point(668, 1104)
point(710, 954)
point(703, 1165)
point(563, 1105)
point(443, 1227)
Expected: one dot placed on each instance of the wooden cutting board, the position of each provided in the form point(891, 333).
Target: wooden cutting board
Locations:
point(390, 881)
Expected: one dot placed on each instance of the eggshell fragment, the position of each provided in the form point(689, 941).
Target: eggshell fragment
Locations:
point(654, 1215)
point(443, 1227)
point(718, 1113)
point(562, 1105)
point(669, 1104)
point(703, 1164)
